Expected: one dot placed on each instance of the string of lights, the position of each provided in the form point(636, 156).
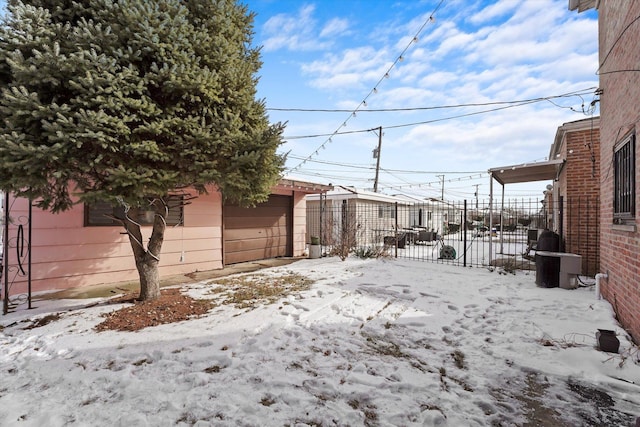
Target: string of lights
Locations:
point(432, 183)
point(362, 104)
point(326, 162)
point(424, 188)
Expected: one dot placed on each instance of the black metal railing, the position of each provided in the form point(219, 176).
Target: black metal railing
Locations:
point(15, 277)
point(456, 232)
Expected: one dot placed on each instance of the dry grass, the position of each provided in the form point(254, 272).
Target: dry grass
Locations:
point(257, 289)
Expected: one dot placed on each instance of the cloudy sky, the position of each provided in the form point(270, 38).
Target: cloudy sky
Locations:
point(464, 85)
point(331, 55)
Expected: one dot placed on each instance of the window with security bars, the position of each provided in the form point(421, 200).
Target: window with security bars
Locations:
point(101, 213)
point(624, 160)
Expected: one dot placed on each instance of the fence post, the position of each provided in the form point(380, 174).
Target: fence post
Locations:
point(322, 206)
point(463, 223)
point(396, 216)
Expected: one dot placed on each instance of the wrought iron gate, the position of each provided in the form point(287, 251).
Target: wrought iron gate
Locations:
point(16, 255)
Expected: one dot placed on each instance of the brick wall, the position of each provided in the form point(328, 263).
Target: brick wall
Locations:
point(619, 115)
point(578, 143)
point(582, 218)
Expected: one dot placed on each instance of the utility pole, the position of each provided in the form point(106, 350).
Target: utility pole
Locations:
point(476, 194)
point(376, 155)
point(442, 194)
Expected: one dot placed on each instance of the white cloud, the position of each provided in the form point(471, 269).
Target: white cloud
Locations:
point(498, 9)
point(334, 27)
point(353, 67)
point(292, 32)
point(510, 50)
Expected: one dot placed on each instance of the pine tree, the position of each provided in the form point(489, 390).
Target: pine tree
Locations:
point(127, 101)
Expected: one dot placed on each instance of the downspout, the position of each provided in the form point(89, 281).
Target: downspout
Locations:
point(599, 278)
point(502, 223)
point(555, 208)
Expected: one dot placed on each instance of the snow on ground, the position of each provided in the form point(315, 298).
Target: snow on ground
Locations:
point(373, 342)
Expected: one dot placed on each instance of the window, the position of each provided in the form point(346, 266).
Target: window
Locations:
point(96, 214)
point(387, 211)
point(624, 160)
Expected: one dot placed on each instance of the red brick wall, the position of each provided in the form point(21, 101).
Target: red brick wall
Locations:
point(619, 115)
point(582, 214)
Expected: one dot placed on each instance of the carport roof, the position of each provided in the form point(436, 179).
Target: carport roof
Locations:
point(528, 172)
point(303, 186)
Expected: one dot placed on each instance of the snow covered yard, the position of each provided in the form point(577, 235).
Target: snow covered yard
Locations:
point(370, 342)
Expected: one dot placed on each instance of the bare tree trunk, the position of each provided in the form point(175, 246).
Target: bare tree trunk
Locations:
point(147, 260)
point(149, 279)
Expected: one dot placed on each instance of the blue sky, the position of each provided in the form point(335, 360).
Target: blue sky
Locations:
point(331, 54)
point(334, 55)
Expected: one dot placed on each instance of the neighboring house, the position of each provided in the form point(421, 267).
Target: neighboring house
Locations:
point(575, 194)
point(433, 214)
point(83, 247)
point(619, 71)
point(362, 217)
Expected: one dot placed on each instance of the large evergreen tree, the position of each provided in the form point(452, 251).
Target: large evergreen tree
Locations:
point(127, 101)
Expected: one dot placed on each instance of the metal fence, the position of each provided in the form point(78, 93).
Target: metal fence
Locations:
point(465, 233)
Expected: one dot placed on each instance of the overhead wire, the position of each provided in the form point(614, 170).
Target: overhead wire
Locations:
point(511, 104)
point(438, 107)
point(615, 43)
point(502, 105)
point(369, 167)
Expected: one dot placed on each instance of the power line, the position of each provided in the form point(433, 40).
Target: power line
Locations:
point(438, 107)
point(510, 105)
point(369, 167)
point(598, 72)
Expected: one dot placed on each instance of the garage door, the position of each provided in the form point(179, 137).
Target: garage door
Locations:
point(265, 231)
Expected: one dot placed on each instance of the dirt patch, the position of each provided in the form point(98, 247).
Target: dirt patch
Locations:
point(244, 292)
point(172, 306)
point(44, 321)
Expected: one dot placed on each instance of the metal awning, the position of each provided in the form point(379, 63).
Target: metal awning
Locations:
point(529, 172)
point(526, 172)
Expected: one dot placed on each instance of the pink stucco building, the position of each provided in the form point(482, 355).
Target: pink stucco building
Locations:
point(77, 248)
